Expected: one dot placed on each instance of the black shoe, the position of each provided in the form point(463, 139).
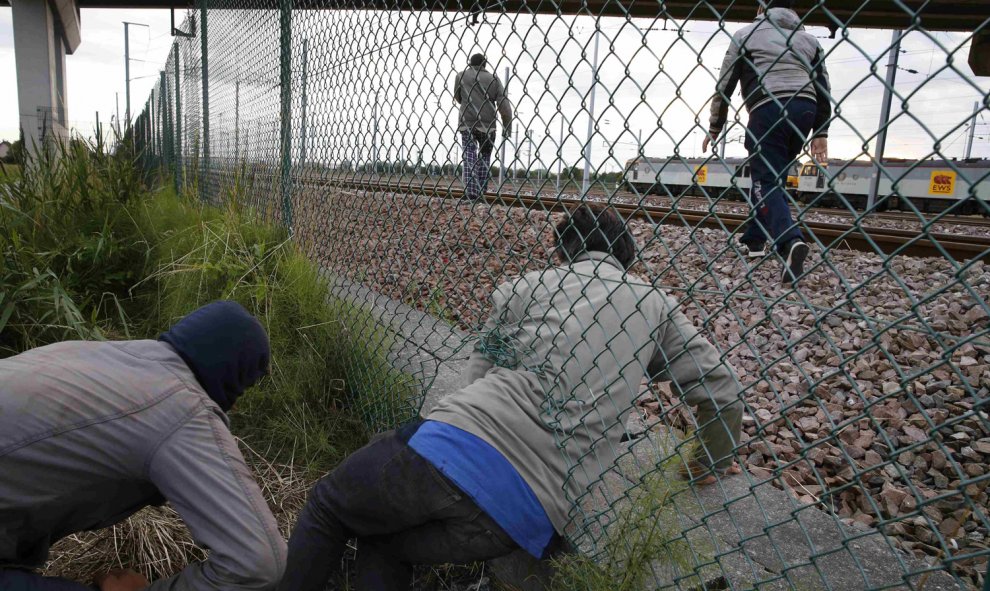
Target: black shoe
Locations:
point(753, 250)
point(797, 252)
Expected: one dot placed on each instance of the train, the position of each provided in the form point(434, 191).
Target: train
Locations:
point(930, 186)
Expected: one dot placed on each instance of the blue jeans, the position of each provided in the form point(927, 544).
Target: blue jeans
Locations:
point(774, 138)
point(21, 580)
point(402, 511)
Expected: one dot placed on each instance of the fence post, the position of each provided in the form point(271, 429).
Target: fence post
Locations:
point(153, 128)
point(206, 100)
point(179, 170)
point(163, 107)
point(888, 92)
point(237, 123)
point(302, 138)
point(285, 42)
point(591, 118)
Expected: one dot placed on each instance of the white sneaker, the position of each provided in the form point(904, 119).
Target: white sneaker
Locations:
point(753, 251)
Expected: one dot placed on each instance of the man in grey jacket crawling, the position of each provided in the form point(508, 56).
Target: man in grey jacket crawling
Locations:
point(91, 432)
point(501, 463)
point(785, 86)
point(480, 94)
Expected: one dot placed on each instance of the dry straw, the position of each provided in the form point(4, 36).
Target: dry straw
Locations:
point(155, 541)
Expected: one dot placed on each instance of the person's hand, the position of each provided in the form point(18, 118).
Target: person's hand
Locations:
point(710, 140)
point(120, 579)
point(819, 149)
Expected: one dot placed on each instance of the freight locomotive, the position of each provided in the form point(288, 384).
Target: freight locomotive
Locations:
point(929, 185)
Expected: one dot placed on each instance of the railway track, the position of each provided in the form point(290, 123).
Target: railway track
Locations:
point(890, 216)
point(693, 202)
point(889, 241)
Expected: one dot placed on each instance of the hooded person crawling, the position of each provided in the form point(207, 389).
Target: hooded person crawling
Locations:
point(92, 432)
point(499, 464)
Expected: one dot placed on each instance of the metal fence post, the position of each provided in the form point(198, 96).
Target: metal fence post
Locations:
point(591, 116)
point(163, 107)
point(204, 168)
point(505, 137)
point(179, 171)
point(237, 122)
point(285, 80)
point(888, 92)
point(302, 131)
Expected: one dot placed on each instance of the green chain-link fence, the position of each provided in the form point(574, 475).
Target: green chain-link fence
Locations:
point(865, 435)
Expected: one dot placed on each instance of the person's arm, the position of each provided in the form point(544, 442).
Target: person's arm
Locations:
point(727, 81)
point(479, 363)
point(203, 475)
point(823, 94)
point(504, 107)
point(701, 378)
point(457, 88)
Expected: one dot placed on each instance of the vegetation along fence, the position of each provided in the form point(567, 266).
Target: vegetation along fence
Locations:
point(865, 436)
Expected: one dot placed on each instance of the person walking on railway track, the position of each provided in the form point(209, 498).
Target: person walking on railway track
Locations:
point(785, 86)
point(92, 432)
point(480, 94)
point(499, 464)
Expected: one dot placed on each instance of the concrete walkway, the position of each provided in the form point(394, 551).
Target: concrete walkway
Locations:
point(742, 533)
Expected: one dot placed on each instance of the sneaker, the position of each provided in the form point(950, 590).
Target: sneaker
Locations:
point(753, 250)
point(797, 252)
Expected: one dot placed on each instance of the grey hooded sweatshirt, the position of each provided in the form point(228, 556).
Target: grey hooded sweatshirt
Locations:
point(479, 95)
point(774, 59)
point(567, 350)
point(91, 432)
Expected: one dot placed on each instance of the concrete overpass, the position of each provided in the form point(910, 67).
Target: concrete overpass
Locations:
point(46, 30)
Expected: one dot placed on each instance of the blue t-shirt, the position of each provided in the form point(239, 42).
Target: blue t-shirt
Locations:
point(484, 474)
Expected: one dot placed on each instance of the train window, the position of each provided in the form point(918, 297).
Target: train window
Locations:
point(809, 170)
point(635, 174)
point(745, 171)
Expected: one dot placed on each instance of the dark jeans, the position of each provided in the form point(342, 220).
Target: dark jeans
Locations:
point(20, 580)
point(402, 512)
point(774, 138)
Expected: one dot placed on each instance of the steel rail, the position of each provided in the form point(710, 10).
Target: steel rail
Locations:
point(885, 241)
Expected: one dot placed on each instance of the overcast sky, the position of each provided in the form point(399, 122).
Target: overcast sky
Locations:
point(650, 80)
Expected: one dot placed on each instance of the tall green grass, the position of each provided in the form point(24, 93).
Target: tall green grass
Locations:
point(69, 248)
point(330, 356)
point(89, 253)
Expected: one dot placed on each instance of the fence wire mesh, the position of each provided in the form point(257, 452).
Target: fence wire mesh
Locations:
point(864, 433)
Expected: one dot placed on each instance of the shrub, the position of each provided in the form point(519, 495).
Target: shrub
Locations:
point(70, 249)
point(331, 381)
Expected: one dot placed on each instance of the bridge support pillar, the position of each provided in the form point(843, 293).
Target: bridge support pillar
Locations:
point(44, 32)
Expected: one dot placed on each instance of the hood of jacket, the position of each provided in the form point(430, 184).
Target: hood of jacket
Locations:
point(785, 18)
point(225, 347)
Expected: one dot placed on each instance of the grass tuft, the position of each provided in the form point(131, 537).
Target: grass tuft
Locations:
point(646, 532)
point(331, 382)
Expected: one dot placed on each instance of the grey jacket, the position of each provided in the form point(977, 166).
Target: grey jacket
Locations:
point(559, 364)
point(91, 432)
point(773, 58)
point(480, 94)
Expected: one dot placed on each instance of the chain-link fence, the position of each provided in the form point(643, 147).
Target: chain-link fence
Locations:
point(865, 437)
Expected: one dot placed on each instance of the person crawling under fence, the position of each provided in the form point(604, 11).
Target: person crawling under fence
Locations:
point(499, 465)
point(92, 432)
